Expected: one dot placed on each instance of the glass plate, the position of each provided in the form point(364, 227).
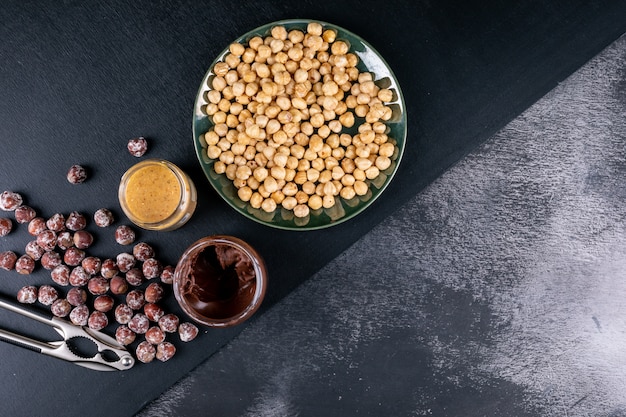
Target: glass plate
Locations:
point(343, 210)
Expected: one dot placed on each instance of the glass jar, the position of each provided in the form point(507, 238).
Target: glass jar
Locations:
point(157, 195)
point(220, 281)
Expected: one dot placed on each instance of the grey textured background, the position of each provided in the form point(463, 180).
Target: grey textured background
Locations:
point(499, 290)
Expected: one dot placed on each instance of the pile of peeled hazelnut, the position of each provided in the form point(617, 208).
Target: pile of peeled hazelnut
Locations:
point(127, 288)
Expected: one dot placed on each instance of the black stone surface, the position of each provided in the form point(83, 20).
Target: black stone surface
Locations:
point(77, 80)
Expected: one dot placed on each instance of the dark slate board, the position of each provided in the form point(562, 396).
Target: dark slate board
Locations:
point(77, 80)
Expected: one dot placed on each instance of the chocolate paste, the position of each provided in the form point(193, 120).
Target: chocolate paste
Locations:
point(221, 283)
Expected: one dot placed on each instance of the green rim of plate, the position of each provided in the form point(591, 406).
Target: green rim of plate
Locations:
point(369, 60)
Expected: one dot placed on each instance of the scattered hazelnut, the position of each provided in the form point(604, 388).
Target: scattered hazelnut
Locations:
point(103, 217)
point(123, 313)
point(124, 335)
point(103, 303)
point(24, 214)
point(5, 226)
point(78, 277)
point(83, 239)
point(118, 285)
point(47, 295)
point(73, 256)
point(9, 200)
point(143, 251)
point(125, 261)
point(61, 274)
point(167, 276)
point(80, 315)
point(56, 222)
point(91, 265)
point(165, 351)
point(124, 235)
point(98, 285)
point(36, 226)
point(76, 296)
point(61, 308)
point(24, 265)
point(139, 323)
point(152, 268)
point(145, 352)
point(153, 311)
point(155, 335)
point(65, 240)
point(97, 320)
point(47, 239)
point(27, 294)
point(109, 268)
point(135, 299)
point(169, 323)
point(50, 260)
point(75, 221)
point(134, 277)
point(7, 260)
point(77, 174)
point(33, 250)
point(137, 147)
point(187, 331)
point(154, 292)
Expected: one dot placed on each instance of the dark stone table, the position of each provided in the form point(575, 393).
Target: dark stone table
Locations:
point(487, 280)
point(497, 291)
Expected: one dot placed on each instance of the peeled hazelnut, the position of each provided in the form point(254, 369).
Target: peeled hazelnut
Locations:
point(78, 277)
point(91, 265)
point(155, 335)
point(134, 277)
point(47, 294)
point(73, 256)
point(33, 250)
point(80, 315)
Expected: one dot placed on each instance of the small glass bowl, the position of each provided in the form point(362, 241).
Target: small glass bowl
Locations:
point(155, 194)
point(224, 312)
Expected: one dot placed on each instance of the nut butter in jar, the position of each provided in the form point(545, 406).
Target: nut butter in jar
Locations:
point(220, 281)
point(157, 195)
